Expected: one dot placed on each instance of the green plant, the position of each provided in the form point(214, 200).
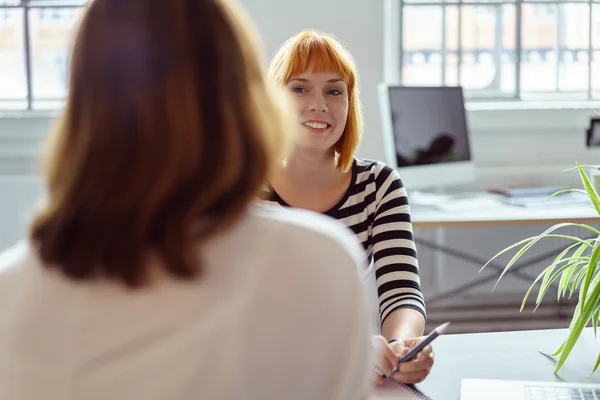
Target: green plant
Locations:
point(577, 266)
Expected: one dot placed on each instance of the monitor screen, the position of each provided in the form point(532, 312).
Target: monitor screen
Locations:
point(429, 125)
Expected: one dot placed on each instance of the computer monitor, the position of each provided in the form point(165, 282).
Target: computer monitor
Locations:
point(426, 137)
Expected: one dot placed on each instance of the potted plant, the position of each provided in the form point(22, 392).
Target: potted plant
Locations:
point(577, 268)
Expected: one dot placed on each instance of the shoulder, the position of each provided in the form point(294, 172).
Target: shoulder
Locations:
point(306, 227)
point(309, 237)
point(17, 266)
point(14, 257)
point(382, 174)
point(312, 275)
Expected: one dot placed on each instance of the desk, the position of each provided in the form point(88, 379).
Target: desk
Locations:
point(501, 214)
point(507, 355)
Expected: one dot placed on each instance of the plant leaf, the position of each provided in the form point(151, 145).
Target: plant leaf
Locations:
point(566, 278)
point(597, 364)
point(563, 285)
point(549, 269)
point(557, 236)
point(509, 248)
point(572, 265)
point(595, 320)
point(530, 289)
point(580, 167)
point(580, 275)
point(546, 233)
point(580, 320)
point(575, 315)
point(590, 273)
point(590, 189)
point(571, 340)
point(567, 191)
point(560, 349)
point(546, 285)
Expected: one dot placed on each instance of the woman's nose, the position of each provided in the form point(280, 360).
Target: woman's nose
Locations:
point(318, 105)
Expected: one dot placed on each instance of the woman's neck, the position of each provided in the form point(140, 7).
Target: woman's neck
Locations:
point(311, 169)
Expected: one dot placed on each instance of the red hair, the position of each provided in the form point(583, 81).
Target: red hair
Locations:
point(326, 54)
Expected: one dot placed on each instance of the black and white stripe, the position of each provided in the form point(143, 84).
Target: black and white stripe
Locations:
point(376, 208)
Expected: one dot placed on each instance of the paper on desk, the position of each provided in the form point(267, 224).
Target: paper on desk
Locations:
point(428, 199)
point(390, 390)
point(541, 201)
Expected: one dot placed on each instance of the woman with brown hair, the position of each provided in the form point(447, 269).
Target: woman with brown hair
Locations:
point(149, 272)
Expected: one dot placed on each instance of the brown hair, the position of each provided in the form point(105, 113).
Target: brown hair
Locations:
point(327, 54)
point(169, 126)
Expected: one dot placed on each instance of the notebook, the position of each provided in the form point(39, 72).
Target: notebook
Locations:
point(393, 390)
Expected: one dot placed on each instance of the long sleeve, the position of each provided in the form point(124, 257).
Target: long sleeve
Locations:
point(394, 250)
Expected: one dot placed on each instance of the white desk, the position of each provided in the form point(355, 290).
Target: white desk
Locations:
point(507, 355)
point(500, 214)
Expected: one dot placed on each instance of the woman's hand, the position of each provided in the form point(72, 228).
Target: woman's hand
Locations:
point(386, 358)
point(418, 369)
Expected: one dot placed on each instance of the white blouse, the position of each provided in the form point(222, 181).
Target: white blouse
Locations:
point(279, 313)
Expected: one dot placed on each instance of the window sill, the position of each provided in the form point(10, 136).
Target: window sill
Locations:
point(511, 105)
point(9, 114)
point(483, 117)
point(529, 117)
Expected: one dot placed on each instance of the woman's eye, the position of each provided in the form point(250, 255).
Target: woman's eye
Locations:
point(335, 92)
point(299, 89)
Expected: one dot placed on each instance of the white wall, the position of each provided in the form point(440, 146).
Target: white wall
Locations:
point(538, 139)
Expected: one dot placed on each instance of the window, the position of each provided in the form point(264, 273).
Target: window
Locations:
point(502, 49)
point(35, 38)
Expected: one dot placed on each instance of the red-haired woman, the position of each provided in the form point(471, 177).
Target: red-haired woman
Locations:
point(322, 174)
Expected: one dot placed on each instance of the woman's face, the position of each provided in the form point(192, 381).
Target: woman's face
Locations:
point(322, 105)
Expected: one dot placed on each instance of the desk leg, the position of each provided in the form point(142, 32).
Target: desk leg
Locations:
point(440, 261)
point(515, 270)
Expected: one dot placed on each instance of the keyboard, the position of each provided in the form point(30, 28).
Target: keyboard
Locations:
point(561, 393)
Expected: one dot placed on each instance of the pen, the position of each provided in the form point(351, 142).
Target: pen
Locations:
point(412, 353)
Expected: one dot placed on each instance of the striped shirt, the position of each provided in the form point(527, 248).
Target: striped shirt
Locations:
point(375, 207)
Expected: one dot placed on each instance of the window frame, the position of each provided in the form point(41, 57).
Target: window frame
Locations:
point(394, 57)
point(26, 6)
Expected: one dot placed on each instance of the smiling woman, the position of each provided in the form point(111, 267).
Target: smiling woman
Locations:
point(322, 105)
point(310, 63)
point(323, 175)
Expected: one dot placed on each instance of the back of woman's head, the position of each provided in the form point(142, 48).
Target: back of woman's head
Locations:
point(168, 133)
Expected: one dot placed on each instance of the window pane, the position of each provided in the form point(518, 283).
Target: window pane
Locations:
point(13, 85)
point(554, 1)
point(47, 3)
point(51, 33)
point(573, 54)
point(451, 78)
point(507, 46)
point(596, 50)
point(488, 49)
point(539, 52)
point(422, 43)
point(478, 30)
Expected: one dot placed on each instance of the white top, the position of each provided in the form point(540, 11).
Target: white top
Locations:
point(279, 313)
